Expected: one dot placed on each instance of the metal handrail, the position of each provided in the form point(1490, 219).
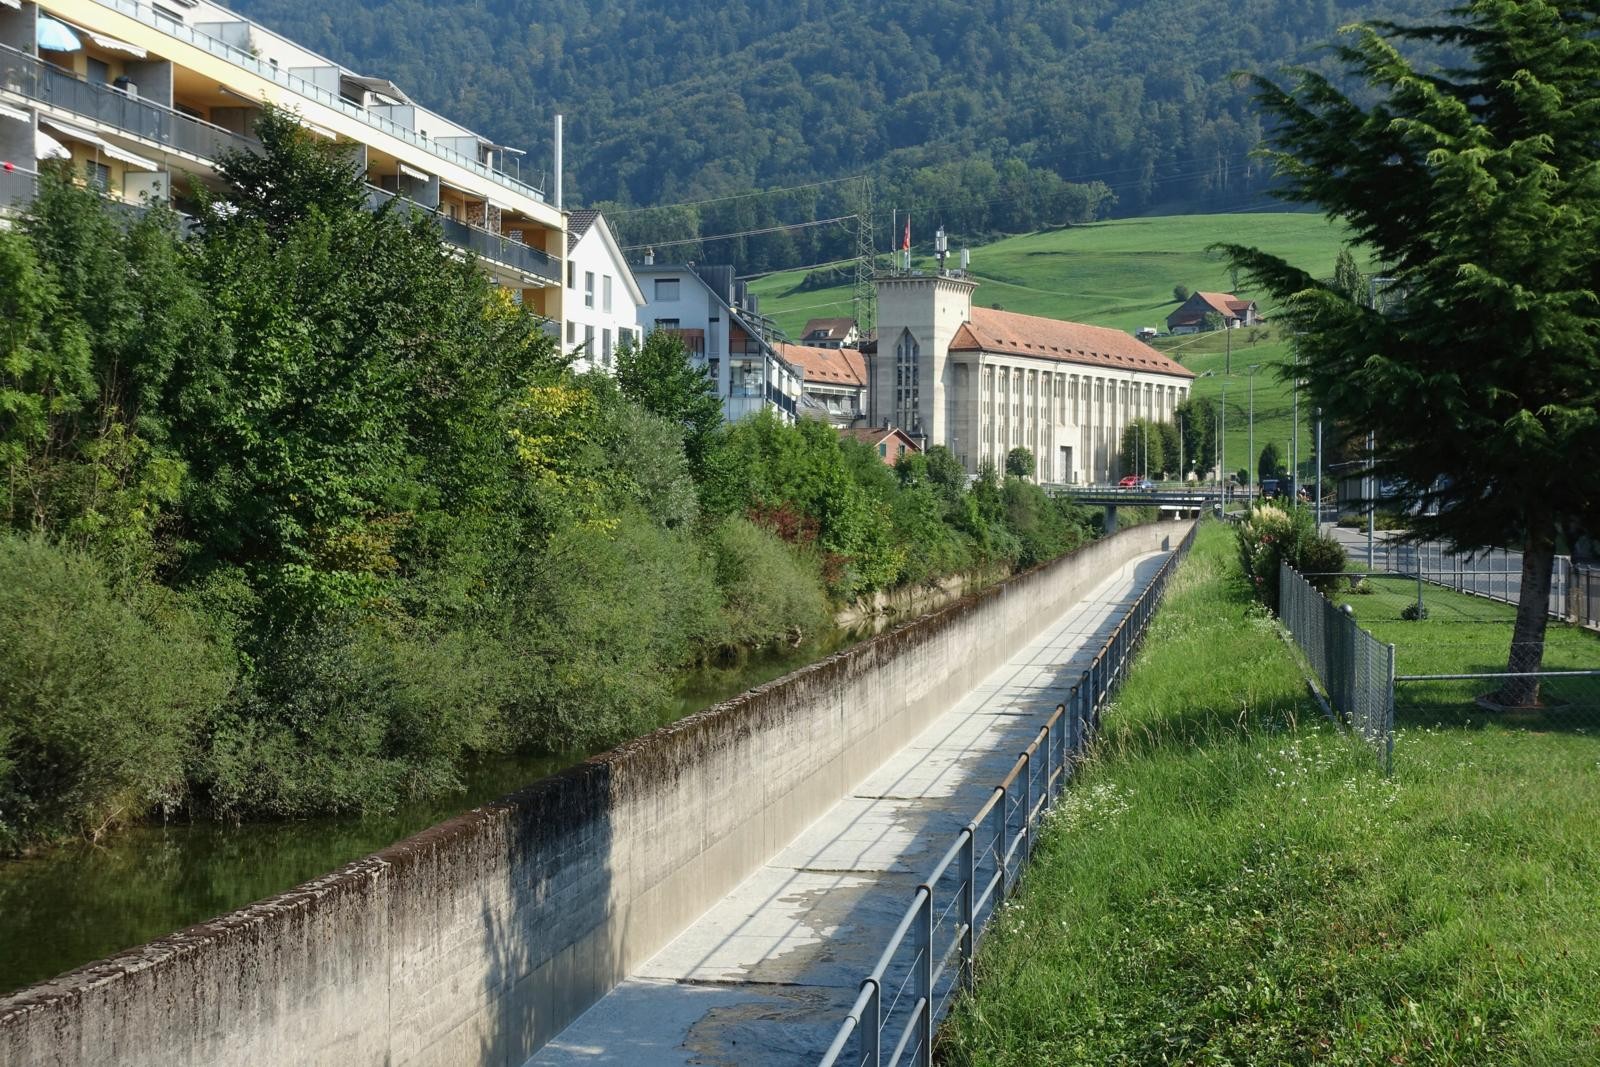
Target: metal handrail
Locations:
point(486, 244)
point(36, 79)
point(1061, 741)
point(239, 57)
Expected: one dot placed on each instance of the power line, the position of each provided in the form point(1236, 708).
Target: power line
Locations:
point(739, 196)
point(786, 270)
point(741, 233)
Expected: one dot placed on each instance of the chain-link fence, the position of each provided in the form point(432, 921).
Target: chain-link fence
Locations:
point(1491, 573)
point(1356, 669)
point(1547, 700)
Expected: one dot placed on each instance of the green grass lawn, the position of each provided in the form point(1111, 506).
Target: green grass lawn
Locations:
point(1230, 881)
point(1466, 634)
point(1118, 273)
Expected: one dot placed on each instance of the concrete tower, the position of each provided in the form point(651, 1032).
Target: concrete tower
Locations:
point(915, 385)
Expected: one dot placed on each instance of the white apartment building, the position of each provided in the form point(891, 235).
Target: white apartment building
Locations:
point(982, 382)
point(603, 298)
point(709, 312)
point(142, 97)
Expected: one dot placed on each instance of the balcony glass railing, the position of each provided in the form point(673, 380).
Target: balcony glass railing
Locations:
point(48, 84)
point(494, 247)
point(146, 14)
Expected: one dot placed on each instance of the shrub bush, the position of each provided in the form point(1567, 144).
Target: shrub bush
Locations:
point(769, 591)
point(101, 697)
point(1270, 535)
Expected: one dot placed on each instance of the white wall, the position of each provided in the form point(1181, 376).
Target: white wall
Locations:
point(593, 259)
point(696, 308)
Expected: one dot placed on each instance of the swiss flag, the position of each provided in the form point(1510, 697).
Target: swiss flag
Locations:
point(906, 243)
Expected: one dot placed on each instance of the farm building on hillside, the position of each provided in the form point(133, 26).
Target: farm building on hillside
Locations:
point(1191, 316)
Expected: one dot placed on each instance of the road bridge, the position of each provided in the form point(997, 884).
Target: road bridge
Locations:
point(1183, 502)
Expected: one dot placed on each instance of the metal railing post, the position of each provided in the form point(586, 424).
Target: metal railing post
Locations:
point(1027, 806)
point(872, 1027)
point(1000, 887)
point(969, 907)
point(925, 980)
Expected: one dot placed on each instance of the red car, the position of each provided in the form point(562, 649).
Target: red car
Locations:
point(1129, 481)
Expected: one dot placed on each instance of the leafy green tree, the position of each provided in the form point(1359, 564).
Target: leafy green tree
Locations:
point(659, 376)
point(1347, 276)
point(1476, 190)
point(1020, 462)
point(1180, 293)
point(1197, 419)
point(1214, 321)
point(1143, 448)
point(1270, 463)
point(1169, 448)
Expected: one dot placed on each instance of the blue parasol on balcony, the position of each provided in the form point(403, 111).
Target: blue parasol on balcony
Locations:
point(57, 36)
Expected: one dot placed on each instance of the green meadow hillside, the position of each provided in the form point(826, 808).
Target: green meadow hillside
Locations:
point(1121, 274)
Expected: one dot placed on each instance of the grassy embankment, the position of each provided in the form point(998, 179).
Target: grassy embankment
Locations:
point(1120, 274)
point(1231, 881)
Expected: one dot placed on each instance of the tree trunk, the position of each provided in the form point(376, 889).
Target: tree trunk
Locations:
point(1533, 605)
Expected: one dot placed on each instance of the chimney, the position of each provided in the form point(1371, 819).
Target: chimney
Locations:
point(557, 190)
point(649, 257)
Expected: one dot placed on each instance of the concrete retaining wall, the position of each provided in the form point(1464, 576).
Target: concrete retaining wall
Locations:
point(479, 939)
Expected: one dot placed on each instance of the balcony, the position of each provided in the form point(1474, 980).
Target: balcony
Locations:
point(51, 86)
point(147, 14)
point(492, 247)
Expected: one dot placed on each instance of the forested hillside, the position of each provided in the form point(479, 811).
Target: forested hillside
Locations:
point(669, 101)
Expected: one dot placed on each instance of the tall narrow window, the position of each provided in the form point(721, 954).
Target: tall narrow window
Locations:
point(605, 293)
point(588, 288)
point(908, 381)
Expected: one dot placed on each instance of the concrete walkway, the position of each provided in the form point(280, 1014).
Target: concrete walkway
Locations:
point(766, 976)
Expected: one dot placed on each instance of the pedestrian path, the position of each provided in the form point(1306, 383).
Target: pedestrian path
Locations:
point(766, 975)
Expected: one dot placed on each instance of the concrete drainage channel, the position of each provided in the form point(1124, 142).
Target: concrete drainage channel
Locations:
point(484, 939)
point(929, 958)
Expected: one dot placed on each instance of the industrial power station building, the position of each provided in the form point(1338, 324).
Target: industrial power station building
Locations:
point(982, 381)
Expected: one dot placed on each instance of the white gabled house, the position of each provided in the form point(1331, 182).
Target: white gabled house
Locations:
point(721, 326)
point(603, 298)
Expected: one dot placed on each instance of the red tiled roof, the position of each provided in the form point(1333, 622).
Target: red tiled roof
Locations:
point(833, 329)
point(1071, 342)
point(831, 366)
point(872, 435)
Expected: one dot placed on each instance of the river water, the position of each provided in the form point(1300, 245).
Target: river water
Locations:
point(78, 903)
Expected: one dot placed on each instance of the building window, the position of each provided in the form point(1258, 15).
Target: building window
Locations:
point(666, 288)
point(588, 341)
point(666, 324)
point(908, 380)
point(572, 334)
point(883, 449)
point(588, 288)
point(98, 175)
point(605, 347)
point(605, 293)
point(572, 275)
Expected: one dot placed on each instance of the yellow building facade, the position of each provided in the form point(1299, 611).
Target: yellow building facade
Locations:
point(143, 97)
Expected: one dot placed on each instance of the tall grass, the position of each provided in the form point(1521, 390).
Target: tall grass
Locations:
point(1230, 881)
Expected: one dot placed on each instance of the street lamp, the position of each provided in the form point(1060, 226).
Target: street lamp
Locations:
point(1249, 480)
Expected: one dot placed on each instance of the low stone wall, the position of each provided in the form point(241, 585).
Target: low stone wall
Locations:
point(476, 941)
